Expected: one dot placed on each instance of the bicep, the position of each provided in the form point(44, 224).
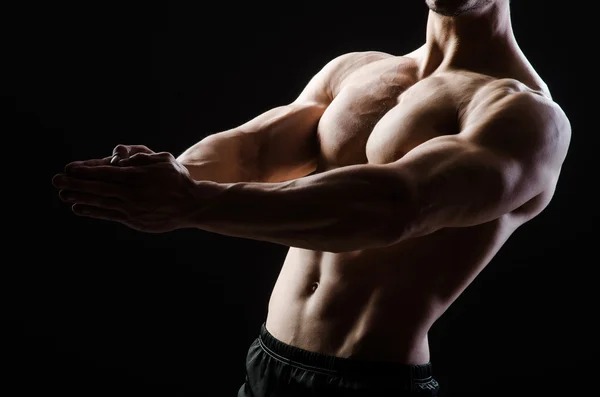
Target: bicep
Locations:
point(287, 141)
point(458, 183)
point(287, 135)
point(278, 144)
point(510, 155)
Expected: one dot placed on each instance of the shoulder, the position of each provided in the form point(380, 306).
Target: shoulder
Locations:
point(341, 67)
point(510, 100)
point(355, 59)
point(512, 118)
point(324, 85)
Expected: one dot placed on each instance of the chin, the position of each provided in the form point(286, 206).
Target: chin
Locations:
point(453, 8)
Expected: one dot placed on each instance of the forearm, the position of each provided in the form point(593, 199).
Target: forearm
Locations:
point(225, 157)
point(342, 210)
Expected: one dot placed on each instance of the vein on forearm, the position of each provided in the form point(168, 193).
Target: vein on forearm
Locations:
point(341, 210)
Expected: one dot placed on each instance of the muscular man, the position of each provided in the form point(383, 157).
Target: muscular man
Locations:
point(394, 180)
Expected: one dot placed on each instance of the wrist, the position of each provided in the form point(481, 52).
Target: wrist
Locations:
point(204, 196)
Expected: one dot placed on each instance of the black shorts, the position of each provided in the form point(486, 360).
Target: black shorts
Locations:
point(275, 369)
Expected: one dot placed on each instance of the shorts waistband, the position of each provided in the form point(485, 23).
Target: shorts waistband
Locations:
point(341, 366)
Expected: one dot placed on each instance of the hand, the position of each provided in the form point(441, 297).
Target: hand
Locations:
point(122, 152)
point(147, 191)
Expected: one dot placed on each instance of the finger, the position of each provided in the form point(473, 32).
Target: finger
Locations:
point(98, 213)
point(133, 149)
point(137, 159)
point(140, 159)
point(129, 150)
point(121, 151)
point(98, 188)
point(105, 173)
point(109, 203)
point(115, 160)
point(88, 163)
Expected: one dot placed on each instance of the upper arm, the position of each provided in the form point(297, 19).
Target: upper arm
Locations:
point(508, 152)
point(281, 143)
point(285, 137)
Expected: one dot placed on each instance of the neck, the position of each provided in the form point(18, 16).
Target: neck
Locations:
point(479, 40)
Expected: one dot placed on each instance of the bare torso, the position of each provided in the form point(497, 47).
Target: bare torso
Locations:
point(379, 304)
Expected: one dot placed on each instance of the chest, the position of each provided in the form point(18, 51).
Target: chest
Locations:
point(380, 115)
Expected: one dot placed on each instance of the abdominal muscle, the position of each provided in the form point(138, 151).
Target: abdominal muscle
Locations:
point(378, 304)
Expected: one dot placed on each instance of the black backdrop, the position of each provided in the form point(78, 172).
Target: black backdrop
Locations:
point(105, 310)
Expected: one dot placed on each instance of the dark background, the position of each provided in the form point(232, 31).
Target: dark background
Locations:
point(106, 310)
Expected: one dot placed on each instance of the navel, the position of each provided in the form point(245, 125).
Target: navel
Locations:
point(314, 286)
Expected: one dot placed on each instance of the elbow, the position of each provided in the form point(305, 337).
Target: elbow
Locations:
point(403, 213)
point(183, 157)
point(395, 219)
point(184, 161)
point(400, 225)
point(416, 209)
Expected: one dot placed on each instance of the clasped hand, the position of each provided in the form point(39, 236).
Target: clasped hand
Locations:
point(147, 191)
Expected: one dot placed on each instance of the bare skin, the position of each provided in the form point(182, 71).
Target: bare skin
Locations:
point(394, 180)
